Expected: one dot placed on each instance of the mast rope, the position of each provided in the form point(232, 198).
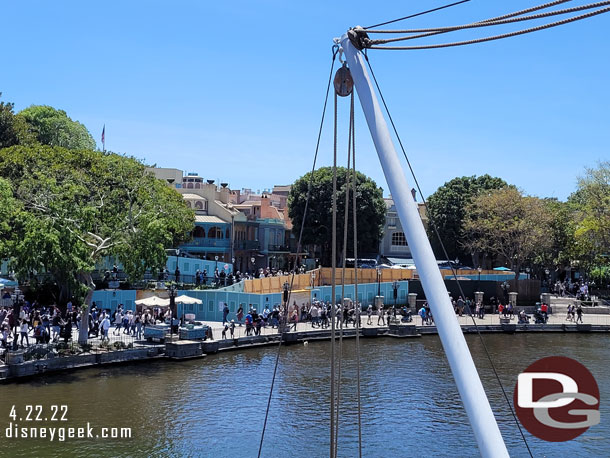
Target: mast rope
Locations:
point(335, 51)
point(453, 271)
point(494, 37)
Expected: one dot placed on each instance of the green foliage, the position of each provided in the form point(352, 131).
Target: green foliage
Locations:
point(13, 128)
point(53, 127)
point(77, 206)
point(590, 206)
point(318, 224)
point(447, 210)
point(8, 210)
point(560, 250)
point(507, 224)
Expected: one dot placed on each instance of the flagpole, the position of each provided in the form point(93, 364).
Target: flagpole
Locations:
point(104, 138)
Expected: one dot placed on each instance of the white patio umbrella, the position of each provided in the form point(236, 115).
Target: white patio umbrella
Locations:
point(153, 301)
point(184, 299)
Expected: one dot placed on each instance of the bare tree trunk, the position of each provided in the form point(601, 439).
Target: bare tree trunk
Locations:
point(83, 333)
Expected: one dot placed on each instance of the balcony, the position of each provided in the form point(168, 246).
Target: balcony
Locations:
point(246, 245)
point(200, 242)
point(279, 248)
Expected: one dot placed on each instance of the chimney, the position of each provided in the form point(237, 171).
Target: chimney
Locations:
point(265, 213)
point(224, 194)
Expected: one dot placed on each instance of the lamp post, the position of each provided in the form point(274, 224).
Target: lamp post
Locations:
point(216, 259)
point(479, 269)
point(313, 282)
point(395, 286)
point(285, 325)
point(527, 270)
point(171, 291)
point(378, 282)
point(252, 259)
point(286, 286)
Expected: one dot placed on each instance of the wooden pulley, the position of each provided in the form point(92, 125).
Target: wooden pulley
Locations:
point(344, 84)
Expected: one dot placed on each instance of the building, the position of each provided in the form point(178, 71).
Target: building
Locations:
point(393, 245)
point(249, 230)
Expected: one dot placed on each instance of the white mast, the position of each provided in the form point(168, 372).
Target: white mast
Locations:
point(464, 371)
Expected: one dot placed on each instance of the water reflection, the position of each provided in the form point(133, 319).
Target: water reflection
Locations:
point(215, 406)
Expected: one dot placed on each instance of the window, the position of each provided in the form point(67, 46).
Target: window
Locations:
point(399, 239)
point(214, 233)
point(199, 232)
point(199, 205)
point(210, 306)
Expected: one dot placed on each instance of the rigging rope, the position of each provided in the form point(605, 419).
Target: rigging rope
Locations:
point(438, 30)
point(416, 14)
point(335, 51)
point(358, 307)
point(495, 37)
point(493, 367)
point(333, 291)
point(343, 258)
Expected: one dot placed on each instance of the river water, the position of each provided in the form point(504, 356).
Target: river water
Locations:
point(215, 406)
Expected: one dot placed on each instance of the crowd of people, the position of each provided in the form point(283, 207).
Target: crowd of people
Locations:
point(579, 290)
point(317, 313)
point(25, 323)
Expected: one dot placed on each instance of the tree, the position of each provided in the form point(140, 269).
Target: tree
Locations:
point(54, 128)
point(8, 210)
point(318, 224)
point(591, 214)
point(13, 129)
point(447, 208)
point(506, 223)
point(81, 205)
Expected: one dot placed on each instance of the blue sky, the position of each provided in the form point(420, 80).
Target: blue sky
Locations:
point(234, 90)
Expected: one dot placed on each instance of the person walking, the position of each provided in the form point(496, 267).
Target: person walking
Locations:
point(225, 313)
point(138, 322)
point(24, 332)
point(422, 314)
point(380, 315)
point(369, 315)
point(579, 313)
point(240, 314)
point(105, 325)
